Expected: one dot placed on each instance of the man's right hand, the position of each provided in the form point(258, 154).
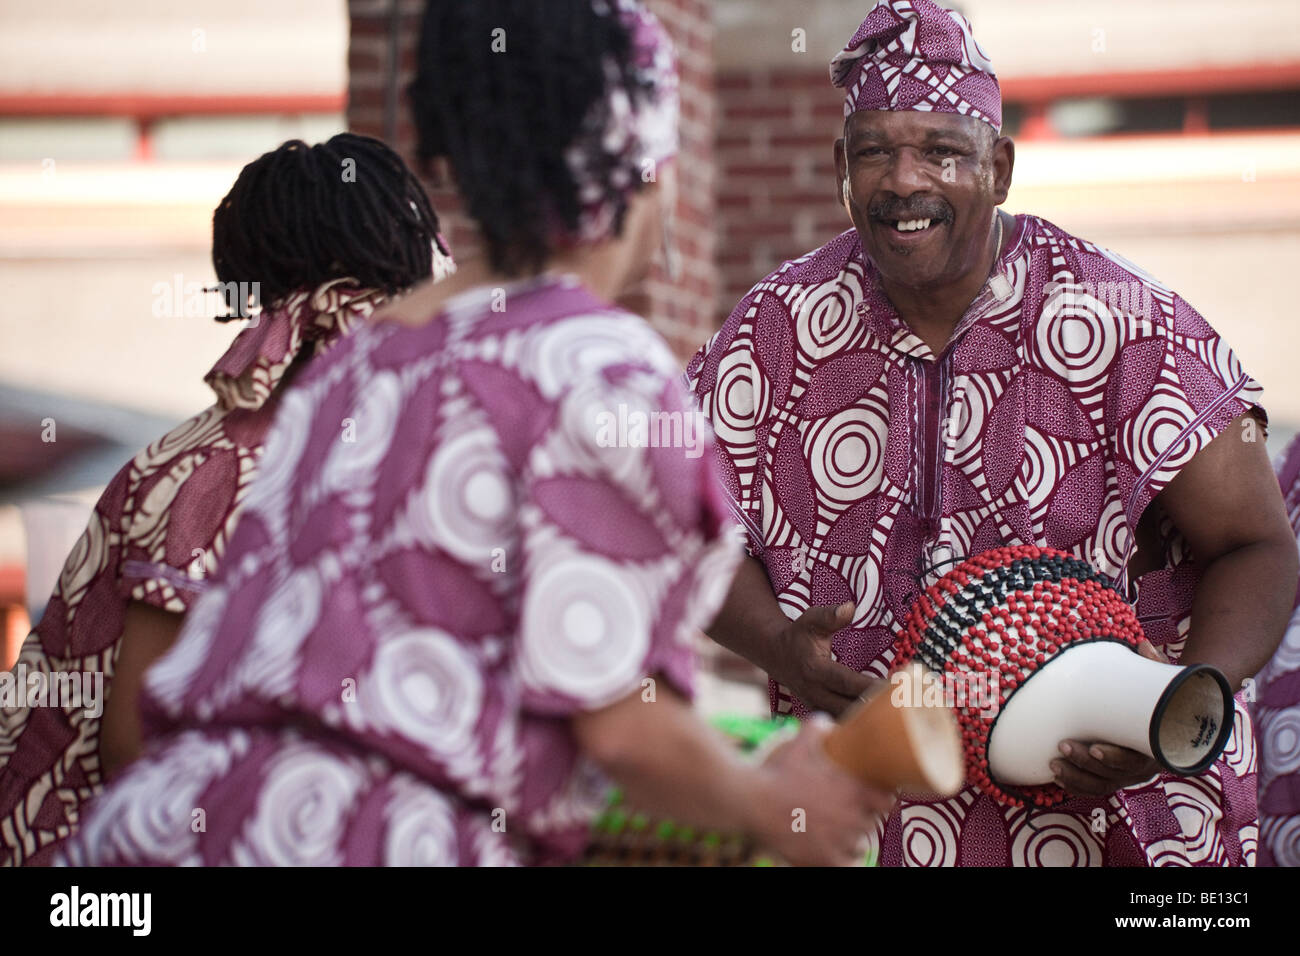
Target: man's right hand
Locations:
point(802, 661)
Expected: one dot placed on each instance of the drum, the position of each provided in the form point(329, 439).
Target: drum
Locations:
point(1030, 646)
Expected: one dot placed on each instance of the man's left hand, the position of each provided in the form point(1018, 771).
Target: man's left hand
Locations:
point(1098, 769)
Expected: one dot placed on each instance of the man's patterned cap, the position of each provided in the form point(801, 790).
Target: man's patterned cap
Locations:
point(917, 55)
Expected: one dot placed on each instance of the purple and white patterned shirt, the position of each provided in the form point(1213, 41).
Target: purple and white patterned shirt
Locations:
point(1072, 391)
point(439, 563)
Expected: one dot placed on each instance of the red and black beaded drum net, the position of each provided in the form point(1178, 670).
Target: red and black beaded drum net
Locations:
point(1000, 616)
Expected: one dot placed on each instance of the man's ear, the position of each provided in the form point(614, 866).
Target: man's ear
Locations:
point(841, 170)
point(1004, 161)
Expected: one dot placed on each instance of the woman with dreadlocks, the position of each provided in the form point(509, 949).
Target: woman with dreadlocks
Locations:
point(324, 234)
point(417, 639)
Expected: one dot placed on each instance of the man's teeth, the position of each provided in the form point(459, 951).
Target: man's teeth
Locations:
point(911, 225)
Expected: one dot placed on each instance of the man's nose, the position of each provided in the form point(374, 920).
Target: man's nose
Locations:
point(907, 174)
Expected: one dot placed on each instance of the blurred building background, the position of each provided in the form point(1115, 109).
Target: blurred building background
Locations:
point(1168, 131)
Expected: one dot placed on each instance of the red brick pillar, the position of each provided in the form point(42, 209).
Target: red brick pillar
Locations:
point(776, 171)
point(684, 311)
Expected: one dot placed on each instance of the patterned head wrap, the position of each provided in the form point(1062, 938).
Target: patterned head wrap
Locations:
point(916, 55)
point(254, 365)
point(623, 133)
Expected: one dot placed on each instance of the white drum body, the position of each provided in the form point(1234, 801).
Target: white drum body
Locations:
point(1103, 691)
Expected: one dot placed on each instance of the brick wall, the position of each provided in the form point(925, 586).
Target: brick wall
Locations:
point(683, 312)
point(777, 197)
point(369, 53)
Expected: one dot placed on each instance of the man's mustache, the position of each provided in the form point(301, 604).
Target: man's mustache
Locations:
point(896, 210)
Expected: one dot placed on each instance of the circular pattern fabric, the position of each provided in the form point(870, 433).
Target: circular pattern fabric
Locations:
point(155, 537)
point(458, 551)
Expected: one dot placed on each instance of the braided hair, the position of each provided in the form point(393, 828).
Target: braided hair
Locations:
point(302, 215)
point(506, 118)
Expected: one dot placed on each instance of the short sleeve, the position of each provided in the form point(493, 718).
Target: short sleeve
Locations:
point(167, 551)
point(1173, 388)
point(625, 543)
point(724, 381)
point(181, 503)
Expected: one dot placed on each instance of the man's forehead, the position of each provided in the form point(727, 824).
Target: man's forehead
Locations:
point(909, 124)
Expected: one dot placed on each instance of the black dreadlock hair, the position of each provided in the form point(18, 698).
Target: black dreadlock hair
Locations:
point(505, 119)
point(302, 215)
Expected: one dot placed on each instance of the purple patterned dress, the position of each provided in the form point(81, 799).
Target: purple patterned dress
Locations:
point(440, 562)
point(1074, 389)
point(1277, 711)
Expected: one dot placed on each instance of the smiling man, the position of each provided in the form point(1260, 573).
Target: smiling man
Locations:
point(945, 378)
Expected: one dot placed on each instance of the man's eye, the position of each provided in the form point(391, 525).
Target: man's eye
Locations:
point(944, 151)
point(872, 151)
